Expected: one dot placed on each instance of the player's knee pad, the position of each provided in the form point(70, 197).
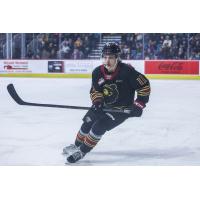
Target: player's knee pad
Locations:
point(86, 127)
point(91, 117)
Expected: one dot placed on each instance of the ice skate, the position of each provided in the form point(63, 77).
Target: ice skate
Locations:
point(76, 156)
point(68, 150)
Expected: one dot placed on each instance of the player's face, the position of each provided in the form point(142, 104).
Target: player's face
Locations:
point(109, 60)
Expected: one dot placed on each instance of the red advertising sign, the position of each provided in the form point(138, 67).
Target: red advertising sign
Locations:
point(171, 67)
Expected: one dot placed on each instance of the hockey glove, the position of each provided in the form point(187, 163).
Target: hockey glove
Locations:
point(137, 109)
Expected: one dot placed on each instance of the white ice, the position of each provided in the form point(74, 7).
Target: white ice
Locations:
point(168, 133)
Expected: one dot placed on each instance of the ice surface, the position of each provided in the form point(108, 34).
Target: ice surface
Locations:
point(168, 133)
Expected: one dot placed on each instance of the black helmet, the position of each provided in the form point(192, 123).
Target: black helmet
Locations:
point(111, 48)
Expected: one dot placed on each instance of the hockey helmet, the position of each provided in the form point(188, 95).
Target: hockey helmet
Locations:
point(111, 48)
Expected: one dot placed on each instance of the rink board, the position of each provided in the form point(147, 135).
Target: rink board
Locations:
point(153, 69)
point(172, 77)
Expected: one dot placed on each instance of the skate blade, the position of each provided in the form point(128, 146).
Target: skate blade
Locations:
point(65, 153)
point(73, 164)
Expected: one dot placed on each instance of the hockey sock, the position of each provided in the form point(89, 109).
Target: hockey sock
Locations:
point(90, 142)
point(80, 138)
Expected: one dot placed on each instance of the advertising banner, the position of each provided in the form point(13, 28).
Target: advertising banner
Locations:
point(87, 66)
point(56, 66)
point(14, 66)
point(80, 66)
point(23, 66)
point(172, 67)
point(167, 67)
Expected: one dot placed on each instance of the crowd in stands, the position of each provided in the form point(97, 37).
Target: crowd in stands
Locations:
point(132, 46)
point(153, 46)
point(2, 42)
point(78, 46)
point(194, 46)
point(166, 46)
point(136, 46)
point(63, 46)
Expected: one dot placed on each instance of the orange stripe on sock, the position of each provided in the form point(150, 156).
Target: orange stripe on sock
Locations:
point(80, 137)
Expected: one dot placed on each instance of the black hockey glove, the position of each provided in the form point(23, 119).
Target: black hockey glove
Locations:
point(137, 109)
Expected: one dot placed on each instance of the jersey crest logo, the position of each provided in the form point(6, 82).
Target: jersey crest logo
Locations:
point(119, 81)
point(110, 93)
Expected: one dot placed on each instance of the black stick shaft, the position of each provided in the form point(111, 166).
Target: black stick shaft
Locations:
point(18, 100)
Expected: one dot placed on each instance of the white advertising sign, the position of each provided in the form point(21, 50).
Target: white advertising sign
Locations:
point(80, 66)
point(70, 66)
point(87, 66)
point(39, 66)
point(23, 66)
point(14, 66)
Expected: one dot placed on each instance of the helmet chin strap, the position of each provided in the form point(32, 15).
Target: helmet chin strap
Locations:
point(112, 69)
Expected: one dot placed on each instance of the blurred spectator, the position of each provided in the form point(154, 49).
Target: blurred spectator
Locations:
point(125, 52)
point(166, 48)
point(16, 46)
point(78, 43)
point(2, 43)
point(194, 42)
point(65, 49)
point(77, 54)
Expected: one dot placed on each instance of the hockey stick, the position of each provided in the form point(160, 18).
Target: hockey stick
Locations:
point(18, 100)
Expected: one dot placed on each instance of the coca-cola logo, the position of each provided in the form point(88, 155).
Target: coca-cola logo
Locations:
point(172, 66)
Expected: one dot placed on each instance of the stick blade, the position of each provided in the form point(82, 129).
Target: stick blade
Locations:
point(14, 95)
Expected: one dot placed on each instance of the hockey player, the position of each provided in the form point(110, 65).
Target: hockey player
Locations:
point(114, 84)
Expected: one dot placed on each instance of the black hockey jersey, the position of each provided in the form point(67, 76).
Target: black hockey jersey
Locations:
point(118, 88)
